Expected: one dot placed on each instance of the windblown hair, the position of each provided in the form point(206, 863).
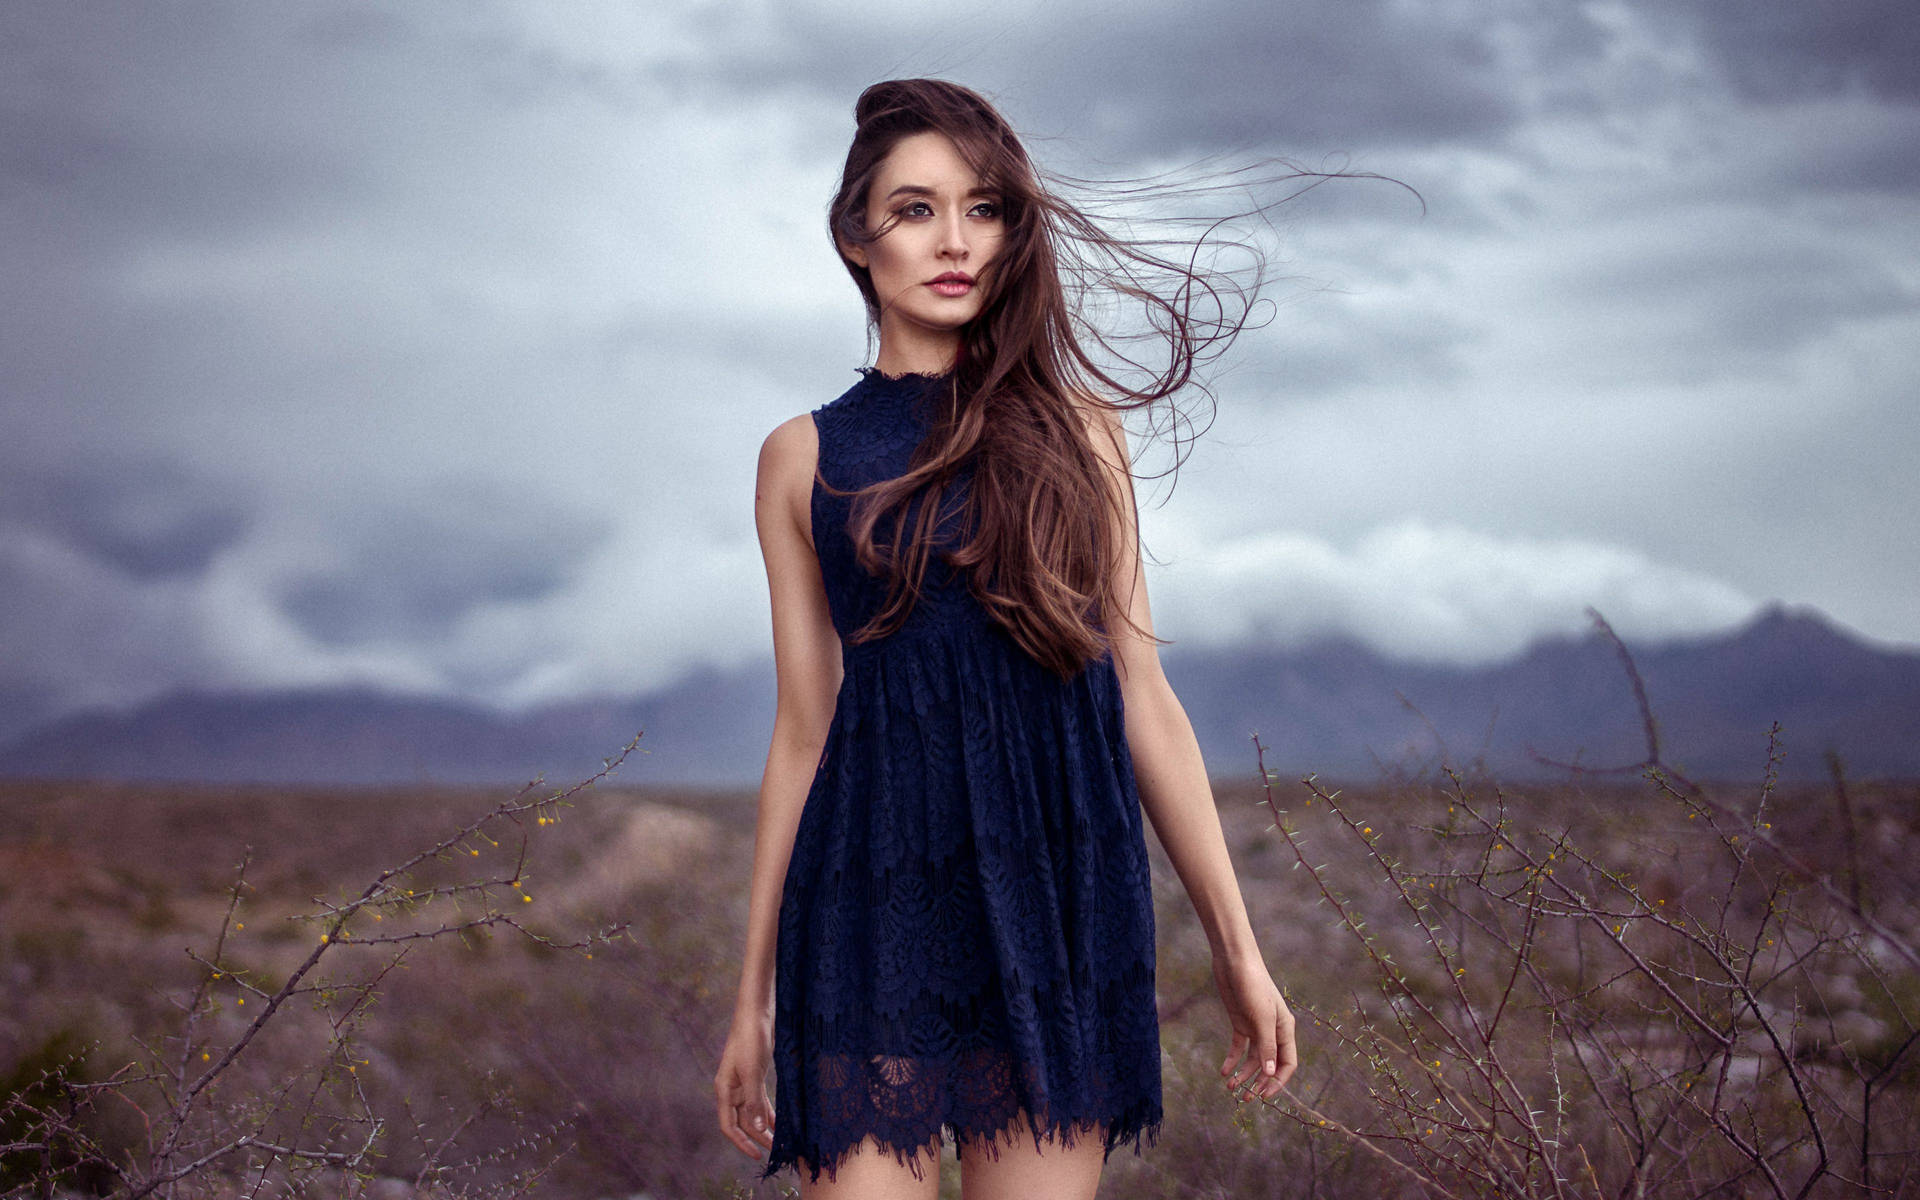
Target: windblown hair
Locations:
point(1046, 514)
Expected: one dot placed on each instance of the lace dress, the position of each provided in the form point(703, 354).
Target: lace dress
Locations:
point(966, 926)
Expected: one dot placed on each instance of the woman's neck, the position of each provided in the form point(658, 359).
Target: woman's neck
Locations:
point(896, 367)
point(900, 355)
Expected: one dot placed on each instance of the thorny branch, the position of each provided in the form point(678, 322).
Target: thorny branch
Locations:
point(1684, 1031)
point(185, 1147)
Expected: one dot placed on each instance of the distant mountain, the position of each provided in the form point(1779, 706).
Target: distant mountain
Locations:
point(1335, 708)
point(700, 730)
point(1340, 709)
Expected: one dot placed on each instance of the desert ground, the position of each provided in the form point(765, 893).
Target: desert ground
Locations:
point(1597, 987)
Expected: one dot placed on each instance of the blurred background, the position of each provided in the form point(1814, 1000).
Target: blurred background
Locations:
point(383, 384)
point(381, 396)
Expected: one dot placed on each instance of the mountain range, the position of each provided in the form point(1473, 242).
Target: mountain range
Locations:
point(1334, 708)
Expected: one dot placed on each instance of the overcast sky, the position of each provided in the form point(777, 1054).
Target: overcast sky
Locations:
point(432, 345)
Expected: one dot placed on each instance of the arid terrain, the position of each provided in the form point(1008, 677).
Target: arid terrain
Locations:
point(1516, 1041)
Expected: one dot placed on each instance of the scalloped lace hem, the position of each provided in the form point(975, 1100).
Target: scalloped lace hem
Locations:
point(1138, 1126)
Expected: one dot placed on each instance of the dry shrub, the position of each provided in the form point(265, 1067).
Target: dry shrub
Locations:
point(266, 1081)
point(1718, 996)
point(1590, 989)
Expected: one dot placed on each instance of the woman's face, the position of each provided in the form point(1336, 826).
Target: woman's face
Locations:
point(947, 224)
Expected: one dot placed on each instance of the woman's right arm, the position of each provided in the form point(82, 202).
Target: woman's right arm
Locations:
point(807, 665)
point(806, 655)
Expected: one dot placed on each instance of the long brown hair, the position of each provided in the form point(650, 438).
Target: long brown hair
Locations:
point(1044, 513)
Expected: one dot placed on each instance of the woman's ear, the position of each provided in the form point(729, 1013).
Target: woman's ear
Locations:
point(857, 255)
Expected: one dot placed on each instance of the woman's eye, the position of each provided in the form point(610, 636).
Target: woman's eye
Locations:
point(919, 208)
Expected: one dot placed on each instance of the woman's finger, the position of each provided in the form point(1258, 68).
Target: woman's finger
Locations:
point(730, 1127)
point(1289, 1049)
point(1286, 1055)
point(729, 1118)
point(1239, 1062)
point(748, 1145)
point(1249, 1066)
point(727, 1100)
point(1236, 1047)
point(1268, 1054)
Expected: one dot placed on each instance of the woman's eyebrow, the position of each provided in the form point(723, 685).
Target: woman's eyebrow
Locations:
point(916, 189)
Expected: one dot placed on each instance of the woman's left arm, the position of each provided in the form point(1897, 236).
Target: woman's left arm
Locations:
point(1178, 800)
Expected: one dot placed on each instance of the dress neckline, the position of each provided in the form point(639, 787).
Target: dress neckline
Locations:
point(876, 375)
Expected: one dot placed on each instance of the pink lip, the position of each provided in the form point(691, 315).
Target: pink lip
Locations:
point(953, 283)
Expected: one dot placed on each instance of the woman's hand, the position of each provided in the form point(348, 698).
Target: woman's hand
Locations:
point(1261, 1024)
point(740, 1086)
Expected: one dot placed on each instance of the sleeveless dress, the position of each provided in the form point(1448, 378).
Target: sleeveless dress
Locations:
point(966, 926)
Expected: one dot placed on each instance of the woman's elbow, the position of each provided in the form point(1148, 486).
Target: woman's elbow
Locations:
point(1142, 683)
point(802, 716)
point(1153, 712)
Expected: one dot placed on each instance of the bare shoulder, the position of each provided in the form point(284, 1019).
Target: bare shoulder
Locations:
point(793, 443)
point(787, 461)
point(1104, 429)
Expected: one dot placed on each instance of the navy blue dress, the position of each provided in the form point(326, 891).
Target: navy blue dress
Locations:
point(966, 926)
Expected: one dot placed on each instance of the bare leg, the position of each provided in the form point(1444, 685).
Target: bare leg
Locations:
point(1055, 1172)
point(870, 1173)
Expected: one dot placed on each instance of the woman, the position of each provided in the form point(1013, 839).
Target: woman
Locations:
point(950, 925)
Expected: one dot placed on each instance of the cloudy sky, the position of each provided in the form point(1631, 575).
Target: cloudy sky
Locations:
point(431, 345)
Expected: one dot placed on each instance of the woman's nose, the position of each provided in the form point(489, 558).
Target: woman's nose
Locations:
point(953, 237)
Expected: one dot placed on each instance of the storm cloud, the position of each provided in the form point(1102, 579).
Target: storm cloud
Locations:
point(432, 347)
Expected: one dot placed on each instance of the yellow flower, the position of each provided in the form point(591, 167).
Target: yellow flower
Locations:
point(474, 852)
point(239, 999)
point(524, 899)
point(204, 1056)
point(240, 925)
point(324, 938)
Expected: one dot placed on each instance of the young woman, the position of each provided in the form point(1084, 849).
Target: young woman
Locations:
point(950, 926)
